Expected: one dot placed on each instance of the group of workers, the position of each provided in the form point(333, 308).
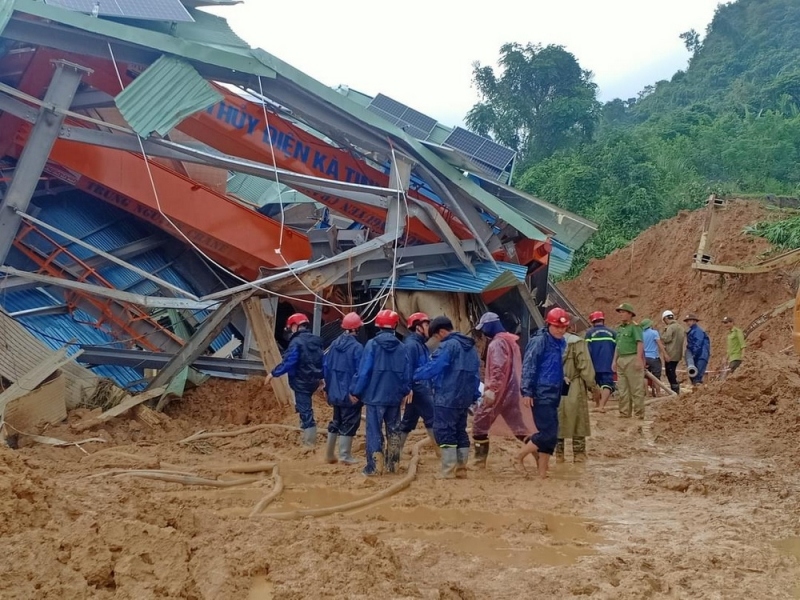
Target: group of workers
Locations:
point(401, 382)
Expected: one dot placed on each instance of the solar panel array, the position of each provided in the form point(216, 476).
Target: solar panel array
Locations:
point(406, 118)
point(150, 10)
point(480, 148)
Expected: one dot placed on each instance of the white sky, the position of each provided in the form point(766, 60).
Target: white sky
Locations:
point(421, 52)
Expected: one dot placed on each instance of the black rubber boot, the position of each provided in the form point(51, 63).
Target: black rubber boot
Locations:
point(481, 453)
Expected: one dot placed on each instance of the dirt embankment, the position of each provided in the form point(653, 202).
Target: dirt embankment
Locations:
point(654, 273)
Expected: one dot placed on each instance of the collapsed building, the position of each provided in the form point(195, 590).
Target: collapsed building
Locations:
point(170, 195)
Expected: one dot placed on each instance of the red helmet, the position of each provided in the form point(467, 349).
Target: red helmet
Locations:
point(417, 317)
point(351, 321)
point(558, 316)
point(387, 319)
point(296, 319)
point(597, 316)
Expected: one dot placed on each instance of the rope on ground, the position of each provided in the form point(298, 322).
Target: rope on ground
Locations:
point(203, 435)
point(276, 491)
point(179, 477)
point(390, 491)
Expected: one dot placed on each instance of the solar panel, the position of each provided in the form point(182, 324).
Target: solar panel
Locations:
point(150, 10)
point(480, 148)
point(406, 118)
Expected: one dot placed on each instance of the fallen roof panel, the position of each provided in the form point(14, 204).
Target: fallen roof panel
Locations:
point(487, 277)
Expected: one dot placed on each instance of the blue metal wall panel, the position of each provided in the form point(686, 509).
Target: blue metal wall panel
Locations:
point(458, 280)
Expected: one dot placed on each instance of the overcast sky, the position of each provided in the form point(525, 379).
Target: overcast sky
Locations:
point(420, 52)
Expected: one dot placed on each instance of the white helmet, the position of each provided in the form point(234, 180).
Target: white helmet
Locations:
point(667, 313)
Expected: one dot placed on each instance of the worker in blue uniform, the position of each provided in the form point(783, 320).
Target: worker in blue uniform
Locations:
point(542, 387)
point(421, 404)
point(698, 347)
point(340, 366)
point(454, 369)
point(383, 380)
point(302, 362)
point(601, 342)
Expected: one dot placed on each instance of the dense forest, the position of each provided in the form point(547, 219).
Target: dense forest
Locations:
point(728, 124)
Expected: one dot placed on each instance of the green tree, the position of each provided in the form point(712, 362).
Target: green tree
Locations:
point(540, 102)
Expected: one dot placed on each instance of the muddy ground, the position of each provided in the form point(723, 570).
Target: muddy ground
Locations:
point(661, 510)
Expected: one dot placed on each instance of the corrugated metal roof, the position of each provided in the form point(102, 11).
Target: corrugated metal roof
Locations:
point(206, 29)
point(167, 92)
point(260, 191)
point(487, 277)
point(560, 261)
point(6, 8)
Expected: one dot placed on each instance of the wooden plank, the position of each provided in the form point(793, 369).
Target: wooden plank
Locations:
point(126, 404)
point(44, 404)
point(263, 326)
point(33, 378)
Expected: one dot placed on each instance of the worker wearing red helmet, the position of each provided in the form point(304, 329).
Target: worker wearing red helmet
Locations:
point(339, 367)
point(601, 342)
point(542, 384)
point(421, 404)
point(454, 370)
point(383, 380)
point(302, 362)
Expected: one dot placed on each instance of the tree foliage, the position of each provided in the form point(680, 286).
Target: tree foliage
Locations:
point(541, 101)
point(729, 123)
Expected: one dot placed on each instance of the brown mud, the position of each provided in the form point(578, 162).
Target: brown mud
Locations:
point(701, 500)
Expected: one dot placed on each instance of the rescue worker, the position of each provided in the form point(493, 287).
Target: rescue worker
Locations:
point(653, 351)
point(383, 380)
point(542, 384)
point(698, 346)
point(421, 404)
point(573, 412)
point(629, 363)
point(501, 393)
point(339, 367)
point(302, 362)
point(673, 339)
point(736, 344)
point(454, 369)
point(601, 342)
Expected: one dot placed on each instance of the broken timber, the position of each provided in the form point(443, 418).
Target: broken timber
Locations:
point(263, 326)
point(126, 404)
point(33, 378)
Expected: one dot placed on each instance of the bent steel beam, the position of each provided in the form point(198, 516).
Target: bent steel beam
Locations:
point(34, 155)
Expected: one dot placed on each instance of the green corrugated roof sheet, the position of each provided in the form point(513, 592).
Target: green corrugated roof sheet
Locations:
point(166, 93)
point(207, 29)
point(260, 191)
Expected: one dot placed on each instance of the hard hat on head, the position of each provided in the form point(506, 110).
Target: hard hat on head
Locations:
point(296, 319)
point(558, 317)
point(351, 321)
point(691, 317)
point(668, 314)
point(486, 318)
point(387, 319)
point(627, 307)
point(440, 323)
point(597, 316)
point(416, 319)
point(727, 319)
point(646, 323)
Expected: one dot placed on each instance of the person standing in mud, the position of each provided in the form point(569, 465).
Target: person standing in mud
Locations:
point(421, 404)
point(573, 412)
point(501, 393)
point(673, 338)
point(383, 380)
point(542, 385)
point(339, 367)
point(454, 369)
point(629, 364)
point(653, 352)
point(698, 347)
point(302, 362)
point(736, 344)
point(601, 342)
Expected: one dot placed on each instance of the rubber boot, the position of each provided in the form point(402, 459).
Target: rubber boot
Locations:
point(403, 438)
point(330, 448)
point(393, 447)
point(675, 388)
point(481, 453)
point(309, 437)
point(579, 450)
point(432, 437)
point(462, 457)
point(346, 449)
point(560, 451)
point(449, 461)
